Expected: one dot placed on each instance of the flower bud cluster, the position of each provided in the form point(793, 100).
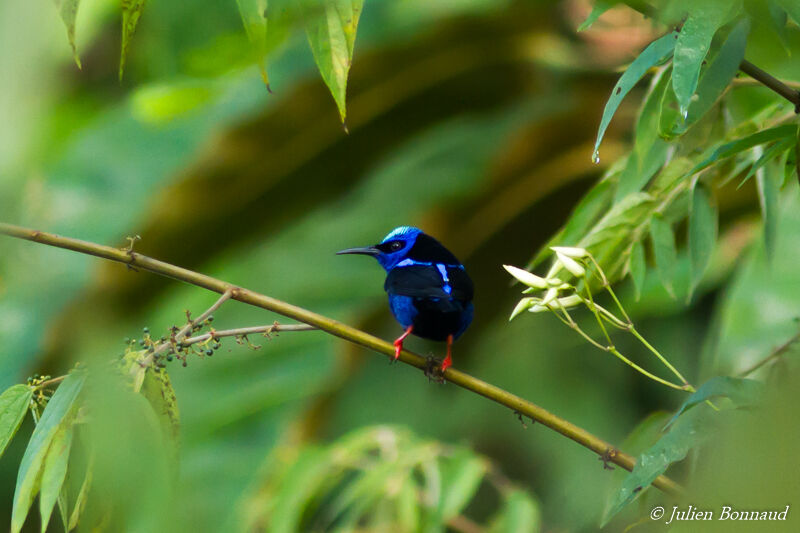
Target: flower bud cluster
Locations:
point(556, 291)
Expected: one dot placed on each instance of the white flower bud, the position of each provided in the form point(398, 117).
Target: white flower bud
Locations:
point(570, 264)
point(522, 305)
point(531, 280)
point(569, 301)
point(538, 308)
point(570, 251)
point(549, 296)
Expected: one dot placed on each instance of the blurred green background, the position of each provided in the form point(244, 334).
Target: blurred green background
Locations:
point(472, 119)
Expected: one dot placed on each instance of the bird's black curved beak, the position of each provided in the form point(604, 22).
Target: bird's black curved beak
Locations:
point(366, 250)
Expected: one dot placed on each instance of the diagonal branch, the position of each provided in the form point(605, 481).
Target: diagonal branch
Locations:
point(348, 333)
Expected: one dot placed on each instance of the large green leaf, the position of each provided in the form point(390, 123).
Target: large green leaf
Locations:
point(737, 146)
point(742, 392)
point(703, 225)
point(331, 29)
point(254, 18)
point(716, 77)
point(652, 463)
point(704, 19)
point(30, 469)
point(13, 406)
point(54, 471)
point(642, 437)
point(68, 9)
point(656, 52)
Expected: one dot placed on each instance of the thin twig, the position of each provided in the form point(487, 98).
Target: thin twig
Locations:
point(777, 352)
point(338, 329)
point(45, 384)
point(272, 328)
point(185, 330)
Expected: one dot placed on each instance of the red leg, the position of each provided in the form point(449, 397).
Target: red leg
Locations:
point(398, 344)
point(448, 361)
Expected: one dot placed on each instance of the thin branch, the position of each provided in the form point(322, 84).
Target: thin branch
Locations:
point(338, 329)
point(773, 83)
point(777, 352)
point(185, 330)
point(266, 330)
point(49, 382)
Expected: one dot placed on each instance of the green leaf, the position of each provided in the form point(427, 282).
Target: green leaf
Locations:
point(600, 7)
point(704, 19)
point(407, 506)
point(461, 476)
point(657, 51)
point(703, 226)
point(670, 448)
point(643, 436)
point(664, 251)
point(649, 152)
point(83, 492)
point(30, 469)
point(668, 115)
point(157, 388)
point(717, 76)
point(742, 392)
point(13, 406)
point(612, 236)
point(637, 267)
point(63, 504)
point(792, 7)
point(331, 29)
point(591, 207)
point(54, 471)
point(768, 183)
point(638, 172)
point(131, 11)
point(254, 18)
point(68, 9)
point(520, 512)
point(774, 151)
point(649, 115)
point(737, 146)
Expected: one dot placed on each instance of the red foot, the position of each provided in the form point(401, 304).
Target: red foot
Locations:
point(448, 361)
point(398, 344)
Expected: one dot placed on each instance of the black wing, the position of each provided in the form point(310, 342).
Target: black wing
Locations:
point(425, 281)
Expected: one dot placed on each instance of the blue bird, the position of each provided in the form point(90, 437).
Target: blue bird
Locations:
point(430, 293)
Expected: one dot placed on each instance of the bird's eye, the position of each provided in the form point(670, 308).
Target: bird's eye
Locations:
point(396, 245)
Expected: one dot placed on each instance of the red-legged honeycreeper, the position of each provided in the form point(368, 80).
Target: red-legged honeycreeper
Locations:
point(430, 293)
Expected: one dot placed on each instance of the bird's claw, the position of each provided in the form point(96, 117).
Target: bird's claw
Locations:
point(433, 369)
